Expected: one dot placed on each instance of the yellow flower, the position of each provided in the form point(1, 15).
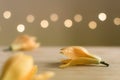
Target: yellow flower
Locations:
point(24, 42)
point(21, 67)
point(79, 56)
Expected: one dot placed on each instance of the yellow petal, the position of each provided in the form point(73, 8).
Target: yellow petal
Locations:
point(44, 76)
point(74, 52)
point(65, 61)
point(80, 61)
point(17, 67)
point(24, 42)
point(31, 74)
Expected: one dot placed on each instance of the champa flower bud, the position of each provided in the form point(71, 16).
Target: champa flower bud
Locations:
point(79, 56)
point(21, 67)
point(18, 67)
point(24, 42)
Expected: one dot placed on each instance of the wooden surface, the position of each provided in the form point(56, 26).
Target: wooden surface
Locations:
point(48, 58)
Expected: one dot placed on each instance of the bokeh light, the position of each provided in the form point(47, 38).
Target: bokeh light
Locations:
point(68, 23)
point(21, 28)
point(44, 23)
point(7, 14)
point(78, 18)
point(54, 17)
point(116, 21)
point(30, 18)
point(102, 16)
point(92, 25)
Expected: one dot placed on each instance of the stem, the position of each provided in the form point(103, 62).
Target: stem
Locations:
point(102, 62)
point(8, 49)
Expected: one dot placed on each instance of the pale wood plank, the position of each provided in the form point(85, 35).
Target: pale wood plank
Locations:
point(48, 58)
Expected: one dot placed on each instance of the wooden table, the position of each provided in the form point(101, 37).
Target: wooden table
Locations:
point(48, 58)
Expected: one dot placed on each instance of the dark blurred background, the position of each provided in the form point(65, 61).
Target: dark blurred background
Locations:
point(103, 33)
